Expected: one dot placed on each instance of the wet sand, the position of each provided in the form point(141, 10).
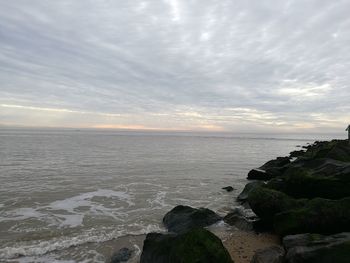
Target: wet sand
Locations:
point(242, 245)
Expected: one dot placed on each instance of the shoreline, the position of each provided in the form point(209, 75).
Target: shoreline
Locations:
point(301, 204)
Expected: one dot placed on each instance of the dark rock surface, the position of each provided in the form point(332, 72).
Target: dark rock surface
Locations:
point(195, 246)
point(279, 162)
point(313, 248)
point(270, 169)
point(243, 196)
point(273, 254)
point(228, 188)
point(298, 153)
point(258, 174)
point(317, 216)
point(266, 203)
point(238, 219)
point(306, 192)
point(122, 255)
point(183, 218)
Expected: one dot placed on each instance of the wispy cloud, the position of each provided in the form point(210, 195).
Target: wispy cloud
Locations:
point(175, 64)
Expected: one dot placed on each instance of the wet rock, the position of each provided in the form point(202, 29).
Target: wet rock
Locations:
point(313, 248)
point(317, 216)
point(183, 218)
point(258, 174)
point(123, 255)
point(228, 188)
point(318, 182)
point(274, 254)
point(279, 162)
point(266, 203)
point(243, 196)
point(296, 153)
point(335, 149)
point(238, 219)
point(195, 246)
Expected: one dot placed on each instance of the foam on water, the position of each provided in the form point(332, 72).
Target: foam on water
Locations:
point(42, 247)
point(64, 212)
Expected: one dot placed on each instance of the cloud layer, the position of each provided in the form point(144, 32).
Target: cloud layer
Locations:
point(176, 64)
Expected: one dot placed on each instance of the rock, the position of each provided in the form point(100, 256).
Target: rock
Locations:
point(270, 169)
point(279, 162)
point(335, 149)
point(239, 220)
point(228, 188)
point(274, 254)
point(278, 183)
point(317, 216)
point(243, 196)
point(296, 153)
point(266, 203)
point(258, 174)
point(123, 255)
point(311, 183)
point(183, 218)
point(313, 248)
point(195, 246)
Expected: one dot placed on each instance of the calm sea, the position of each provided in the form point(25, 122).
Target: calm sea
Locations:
point(77, 196)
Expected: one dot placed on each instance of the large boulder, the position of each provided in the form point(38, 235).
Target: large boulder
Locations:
point(313, 248)
point(274, 254)
point(183, 218)
point(279, 162)
point(195, 246)
point(270, 169)
point(335, 149)
point(308, 183)
point(266, 203)
point(317, 216)
point(258, 174)
point(243, 196)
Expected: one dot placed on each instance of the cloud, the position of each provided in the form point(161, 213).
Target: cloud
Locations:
point(224, 65)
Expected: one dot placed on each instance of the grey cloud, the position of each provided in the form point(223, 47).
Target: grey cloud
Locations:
point(153, 57)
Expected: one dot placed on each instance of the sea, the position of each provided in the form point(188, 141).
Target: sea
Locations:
point(80, 195)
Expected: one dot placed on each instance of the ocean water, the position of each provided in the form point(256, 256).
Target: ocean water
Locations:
point(79, 195)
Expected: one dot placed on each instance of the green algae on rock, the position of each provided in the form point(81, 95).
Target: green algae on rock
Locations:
point(317, 216)
point(195, 246)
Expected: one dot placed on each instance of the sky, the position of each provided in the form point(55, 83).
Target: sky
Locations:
point(192, 65)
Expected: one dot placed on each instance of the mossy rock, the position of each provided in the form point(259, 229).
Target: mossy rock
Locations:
point(267, 202)
point(303, 183)
point(183, 218)
point(312, 248)
point(279, 162)
point(335, 149)
point(196, 246)
point(249, 187)
point(319, 215)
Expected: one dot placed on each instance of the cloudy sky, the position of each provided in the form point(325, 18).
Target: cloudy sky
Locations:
point(216, 65)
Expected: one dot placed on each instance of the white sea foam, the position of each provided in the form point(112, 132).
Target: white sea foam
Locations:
point(21, 214)
point(159, 200)
point(84, 199)
point(43, 259)
point(42, 247)
point(70, 217)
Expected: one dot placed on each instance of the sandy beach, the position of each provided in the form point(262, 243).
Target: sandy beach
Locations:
point(242, 245)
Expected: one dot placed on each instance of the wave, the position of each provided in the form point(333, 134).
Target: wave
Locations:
point(42, 247)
